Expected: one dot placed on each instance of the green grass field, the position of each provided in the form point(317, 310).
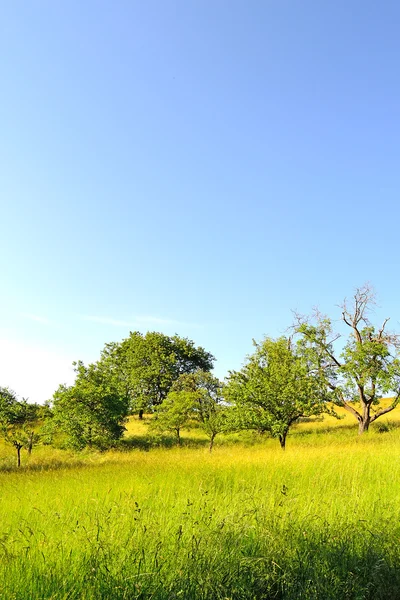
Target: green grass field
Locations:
point(320, 520)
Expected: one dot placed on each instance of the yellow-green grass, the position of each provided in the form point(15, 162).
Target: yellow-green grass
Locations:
point(320, 520)
point(347, 420)
point(138, 435)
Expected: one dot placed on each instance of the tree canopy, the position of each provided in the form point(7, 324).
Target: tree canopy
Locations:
point(208, 408)
point(173, 413)
point(145, 366)
point(366, 368)
point(277, 385)
point(194, 398)
point(92, 412)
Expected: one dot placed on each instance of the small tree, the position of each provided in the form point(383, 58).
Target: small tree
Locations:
point(194, 397)
point(17, 421)
point(208, 409)
point(173, 413)
point(92, 412)
point(276, 386)
point(368, 366)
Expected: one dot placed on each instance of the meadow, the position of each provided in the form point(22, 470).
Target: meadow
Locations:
point(150, 520)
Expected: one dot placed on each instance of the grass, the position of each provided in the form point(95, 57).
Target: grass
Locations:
point(320, 520)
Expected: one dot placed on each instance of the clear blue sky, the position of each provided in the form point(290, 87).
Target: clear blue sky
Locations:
point(199, 167)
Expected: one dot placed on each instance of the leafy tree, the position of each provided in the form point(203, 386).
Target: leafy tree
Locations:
point(173, 413)
point(91, 412)
point(366, 369)
point(276, 386)
point(145, 366)
point(17, 421)
point(194, 397)
point(8, 400)
point(208, 408)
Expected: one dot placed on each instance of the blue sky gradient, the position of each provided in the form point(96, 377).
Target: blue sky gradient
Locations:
point(191, 167)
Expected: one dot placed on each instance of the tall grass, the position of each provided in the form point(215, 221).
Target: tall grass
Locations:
point(249, 521)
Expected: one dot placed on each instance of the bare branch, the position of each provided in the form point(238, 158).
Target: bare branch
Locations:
point(363, 300)
point(382, 329)
point(344, 316)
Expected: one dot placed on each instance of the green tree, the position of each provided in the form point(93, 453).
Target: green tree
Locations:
point(276, 386)
point(17, 421)
point(92, 412)
point(193, 398)
point(8, 400)
point(174, 413)
point(208, 408)
point(366, 368)
point(145, 366)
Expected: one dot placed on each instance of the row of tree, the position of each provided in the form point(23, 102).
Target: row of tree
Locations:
point(285, 379)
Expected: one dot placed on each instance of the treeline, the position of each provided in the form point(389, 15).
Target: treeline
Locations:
point(285, 379)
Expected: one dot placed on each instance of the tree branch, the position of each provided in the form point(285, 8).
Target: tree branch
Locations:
point(382, 329)
point(381, 412)
point(345, 320)
point(351, 410)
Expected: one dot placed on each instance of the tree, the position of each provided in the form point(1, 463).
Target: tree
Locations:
point(8, 400)
point(92, 412)
point(368, 366)
point(145, 366)
point(276, 386)
point(172, 414)
point(194, 397)
point(17, 421)
point(208, 408)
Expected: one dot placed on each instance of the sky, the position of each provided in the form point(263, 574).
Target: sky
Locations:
point(193, 167)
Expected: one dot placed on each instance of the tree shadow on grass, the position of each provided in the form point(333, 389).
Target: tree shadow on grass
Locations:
point(50, 465)
point(379, 427)
point(146, 443)
point(79, 461)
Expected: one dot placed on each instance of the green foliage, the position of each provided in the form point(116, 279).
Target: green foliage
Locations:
point(369, 363)
point(17, 421)
point(368, 366)
point(173, 413)
point(8, 405)
point(194, 397)
point(205, 392)
point(277, 385)
point(145, 366)
point(386, 426)
point(92, 412)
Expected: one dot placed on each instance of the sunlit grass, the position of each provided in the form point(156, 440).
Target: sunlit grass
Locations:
point(320, 520)
point(326, 422)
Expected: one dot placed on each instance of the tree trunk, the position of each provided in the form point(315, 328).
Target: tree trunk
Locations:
point(211, 442)
point(30, 442)
point(18, 447)
point(178, 436)
point(363, 423)
point(282, 439)
point(141, 414)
